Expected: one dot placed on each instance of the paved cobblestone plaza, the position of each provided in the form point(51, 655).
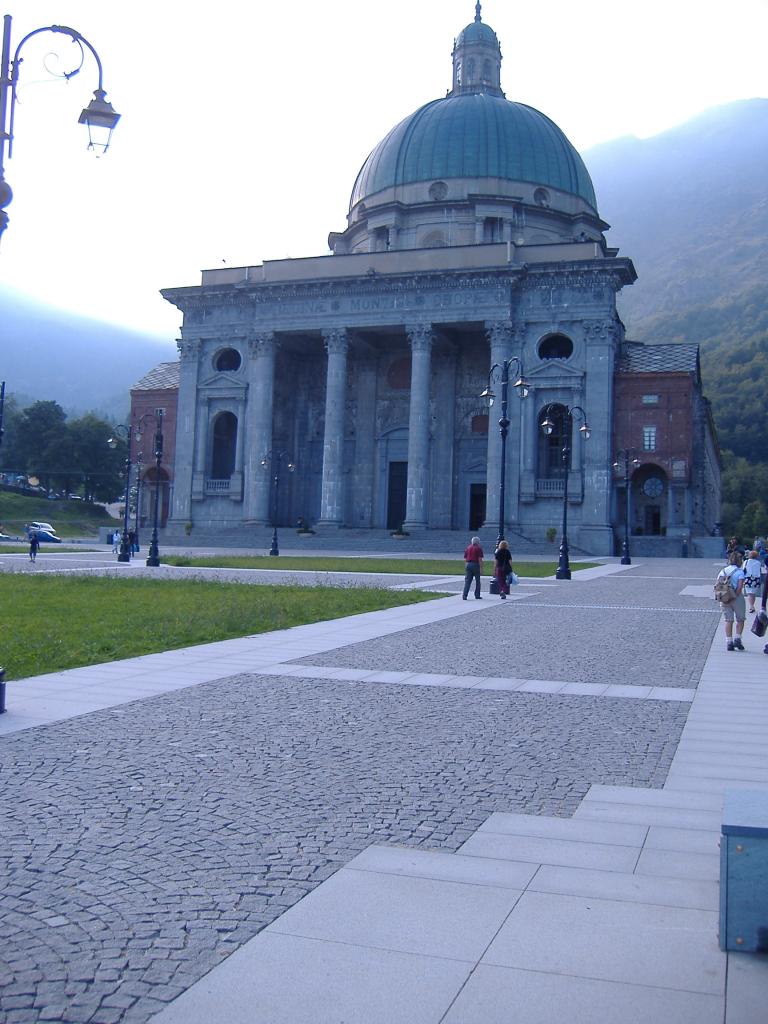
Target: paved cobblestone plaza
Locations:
point(143, 844)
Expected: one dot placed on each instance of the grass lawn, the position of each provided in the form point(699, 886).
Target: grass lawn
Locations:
point(51, 624)
point(400, 566)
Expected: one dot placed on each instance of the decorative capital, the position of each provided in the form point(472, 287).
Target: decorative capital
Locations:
point(336, 341)
point(189, 349)
point(599, 330)
point(499, 333)
point(263, 343)
point(420, 337)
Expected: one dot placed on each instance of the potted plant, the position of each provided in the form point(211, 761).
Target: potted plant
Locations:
point(551, 534)
point(303, 529)
point(399, 533)
point(187, 528)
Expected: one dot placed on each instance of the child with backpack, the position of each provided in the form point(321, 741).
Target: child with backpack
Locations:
point(728, 589)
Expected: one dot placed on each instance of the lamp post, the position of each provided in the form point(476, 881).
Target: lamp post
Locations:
point(275, 458)
point(548, 426)
point(139, 467)
point(99, 116)
point(124, 430)
point(626, 456)
point(522, 384)
point(153, 557)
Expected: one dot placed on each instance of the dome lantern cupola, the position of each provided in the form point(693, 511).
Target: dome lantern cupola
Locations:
point(477, 60)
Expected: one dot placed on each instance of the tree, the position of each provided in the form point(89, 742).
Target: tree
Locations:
point(100, 467)
point(40, 431)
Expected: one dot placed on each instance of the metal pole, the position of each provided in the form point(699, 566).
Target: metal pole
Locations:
point(275, 550)
point(2, 691)
point(504, 430)
point(625, 558)
point(153, 558)
point(125, 547)
point(139, 465)
point(5, 83)
point(564, 568)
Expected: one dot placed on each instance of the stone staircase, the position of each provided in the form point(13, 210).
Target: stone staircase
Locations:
point(448, 543)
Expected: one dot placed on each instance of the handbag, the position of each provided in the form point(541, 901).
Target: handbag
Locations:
point(512, 579)
point(760, 624)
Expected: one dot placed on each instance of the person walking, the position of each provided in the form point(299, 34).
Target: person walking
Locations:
point(34, 546)
point(735, 610)
point(503, 568)
point(752, 579)
point(473, 566)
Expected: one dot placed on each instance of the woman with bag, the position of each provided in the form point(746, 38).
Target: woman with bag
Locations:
point(752, 581)
point(503, 568)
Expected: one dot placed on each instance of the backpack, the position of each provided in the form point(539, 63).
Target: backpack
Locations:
point(724, 592)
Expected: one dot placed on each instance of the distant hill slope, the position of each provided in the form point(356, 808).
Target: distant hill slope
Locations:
point(84, 365)
point(690, 207)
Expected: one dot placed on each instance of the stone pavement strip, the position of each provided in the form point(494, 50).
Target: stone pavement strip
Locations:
point(307, 837)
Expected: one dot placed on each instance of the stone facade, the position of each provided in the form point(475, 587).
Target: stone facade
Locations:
point(363, 370)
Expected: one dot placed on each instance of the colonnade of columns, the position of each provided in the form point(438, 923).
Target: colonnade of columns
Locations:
point(255, 428)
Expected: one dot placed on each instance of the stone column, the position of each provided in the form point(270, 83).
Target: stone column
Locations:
point(332, 493)
point(262, 349)
point(417, 497)
point(365, 441)
point(181, 509)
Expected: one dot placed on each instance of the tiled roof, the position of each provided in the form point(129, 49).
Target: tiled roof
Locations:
point(637, 357)
point(166, 375)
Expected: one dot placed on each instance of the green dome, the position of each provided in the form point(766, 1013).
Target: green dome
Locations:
point(475, 136)
point(477, 32)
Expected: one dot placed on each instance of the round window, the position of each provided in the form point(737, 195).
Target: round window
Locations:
point(228, 359)
point(556, 346)
point(653, 487)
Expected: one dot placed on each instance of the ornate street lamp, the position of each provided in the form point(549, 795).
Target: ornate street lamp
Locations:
point(626, 457)
point(99, 116)
point(124, 430)
point(153, 557)
point(139, 469)
point(488, 394)
point(548, 426)
point(275, 459)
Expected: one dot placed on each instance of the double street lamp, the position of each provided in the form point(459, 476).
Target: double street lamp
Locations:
point(99, 116)
point(127, 432)
point(153, 557)
point(488, 394)
point(548, 427)
point(274, 458)
point(626, 457)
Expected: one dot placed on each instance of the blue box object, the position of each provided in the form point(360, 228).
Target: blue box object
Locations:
point(744, 871)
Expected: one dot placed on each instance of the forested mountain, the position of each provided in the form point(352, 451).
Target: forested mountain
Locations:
point(690, 207)
point(84, 365)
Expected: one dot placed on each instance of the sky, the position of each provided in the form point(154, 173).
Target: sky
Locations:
point(244, 124)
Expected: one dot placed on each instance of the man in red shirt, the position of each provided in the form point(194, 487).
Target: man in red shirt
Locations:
point(473, 565)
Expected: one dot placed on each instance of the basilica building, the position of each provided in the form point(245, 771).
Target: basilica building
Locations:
point(350, 390)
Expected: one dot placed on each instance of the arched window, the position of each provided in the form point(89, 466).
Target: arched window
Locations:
point(471, 70)
point(224, 445)
point(550, 460)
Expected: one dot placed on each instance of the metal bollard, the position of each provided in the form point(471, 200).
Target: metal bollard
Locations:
point(2, 691)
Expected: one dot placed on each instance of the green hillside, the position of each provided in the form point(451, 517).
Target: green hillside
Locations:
point(690, 207)
point(70, 519)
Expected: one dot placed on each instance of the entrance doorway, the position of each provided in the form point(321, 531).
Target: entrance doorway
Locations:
point(652, 520)
point(477, 494)
point(396, 494)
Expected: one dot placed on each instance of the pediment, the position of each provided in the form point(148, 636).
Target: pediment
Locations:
point(222, 383)
point(554, 372)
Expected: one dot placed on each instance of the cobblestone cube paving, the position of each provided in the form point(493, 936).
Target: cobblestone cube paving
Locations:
point(140, 846)
point(617, 630)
